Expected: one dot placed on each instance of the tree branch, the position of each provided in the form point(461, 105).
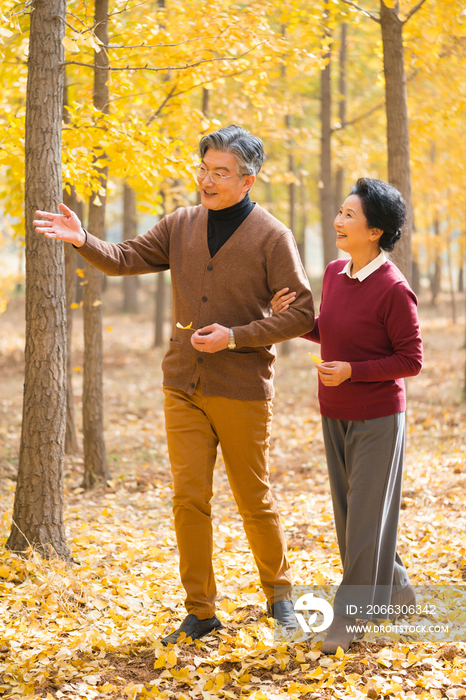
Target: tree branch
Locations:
point(361, 116)
point(157, 111)
point(361, 9)
point(165, 68)
point(156, 46)
point(413, 10)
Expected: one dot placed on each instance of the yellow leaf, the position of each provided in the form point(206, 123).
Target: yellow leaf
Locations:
point(69, 44)
point(109, 328)
point(316, 359)
point(5, 32)
point(316, 672)
point(228, 606)
point(97, 302)
point(319, 579)
point(74, 305)
point(97, 201)
point(80, 272)
point(76, 369)
point(171, 658)
point(339, 653)
point(160, 662)
point(4, 571)
point(178, 325)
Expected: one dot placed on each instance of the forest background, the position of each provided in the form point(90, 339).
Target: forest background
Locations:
point(133, 87)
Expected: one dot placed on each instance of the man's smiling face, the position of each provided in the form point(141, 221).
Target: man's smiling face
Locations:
point(230, 190)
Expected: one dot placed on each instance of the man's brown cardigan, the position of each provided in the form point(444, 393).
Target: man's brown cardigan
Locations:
point(233, 289)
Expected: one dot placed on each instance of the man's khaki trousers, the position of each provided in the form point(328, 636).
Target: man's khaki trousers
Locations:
point(195, 425)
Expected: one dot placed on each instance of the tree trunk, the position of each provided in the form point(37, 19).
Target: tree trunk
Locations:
point(303, 207)
point(205, 102)
point(452, 283)
point(130, 283)
point(339, 177)
point(69, 198)
point(396, 101)
point(38, 507)
point(71, 442)
point(327, 208)
point(286, 345)
point(159, 310)
point(95, 456)
point(416, 280)
point(269, 195)
point(435, 280)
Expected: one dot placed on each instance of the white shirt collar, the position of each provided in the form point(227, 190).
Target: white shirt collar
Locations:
point(365, 271)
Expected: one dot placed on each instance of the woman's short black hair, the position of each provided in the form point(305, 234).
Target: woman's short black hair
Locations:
point(384, 208)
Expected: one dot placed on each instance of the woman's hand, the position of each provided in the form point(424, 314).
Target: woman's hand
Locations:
point(334, 373)
point(281, 300)
point(65, 226)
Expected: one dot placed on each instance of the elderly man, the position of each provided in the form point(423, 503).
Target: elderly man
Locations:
point(227, 257)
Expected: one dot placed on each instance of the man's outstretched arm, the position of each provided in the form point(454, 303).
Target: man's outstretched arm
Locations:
point(146, 253)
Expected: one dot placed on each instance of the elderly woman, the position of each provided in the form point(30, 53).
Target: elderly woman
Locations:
point(369, 334)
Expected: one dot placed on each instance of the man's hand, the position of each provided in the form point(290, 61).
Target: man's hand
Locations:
point(65, 227)
point(211, 338)
point(334, 373)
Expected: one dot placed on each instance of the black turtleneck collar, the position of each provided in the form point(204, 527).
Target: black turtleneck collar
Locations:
point(222, 223)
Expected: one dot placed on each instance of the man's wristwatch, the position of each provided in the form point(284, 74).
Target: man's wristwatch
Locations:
point(231, 340)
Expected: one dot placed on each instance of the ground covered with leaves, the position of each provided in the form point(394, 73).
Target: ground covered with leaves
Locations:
point(92, 629)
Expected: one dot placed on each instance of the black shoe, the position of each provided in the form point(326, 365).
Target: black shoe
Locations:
point(283, 612)
point(194, 628)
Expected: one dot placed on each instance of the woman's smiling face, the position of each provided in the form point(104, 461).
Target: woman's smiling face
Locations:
point(353, 234)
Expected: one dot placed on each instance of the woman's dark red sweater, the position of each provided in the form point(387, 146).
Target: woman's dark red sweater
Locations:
point(374, 326)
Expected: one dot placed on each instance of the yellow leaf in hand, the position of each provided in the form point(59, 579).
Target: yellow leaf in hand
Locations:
point(184, 328)
point(316, 359)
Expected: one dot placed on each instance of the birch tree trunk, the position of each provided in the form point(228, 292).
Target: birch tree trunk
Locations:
point(38, 506)
point(95, 454)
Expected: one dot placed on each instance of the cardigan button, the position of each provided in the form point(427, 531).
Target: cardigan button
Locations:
point(200, 359)
point(193, 385)
point(210, 268)
point(204, 298)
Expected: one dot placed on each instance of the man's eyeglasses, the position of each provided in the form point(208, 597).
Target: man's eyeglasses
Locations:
point(215, 176)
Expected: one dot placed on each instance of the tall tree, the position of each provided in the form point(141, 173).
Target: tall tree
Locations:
point(38, 507)
point(95, 454)
point(71, 442)
point(396, 106)
point(69, 198)
point(327, 206)
point(130, 283)
point(339, 175)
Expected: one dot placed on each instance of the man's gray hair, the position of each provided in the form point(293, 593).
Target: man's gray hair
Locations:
point(248, 149)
